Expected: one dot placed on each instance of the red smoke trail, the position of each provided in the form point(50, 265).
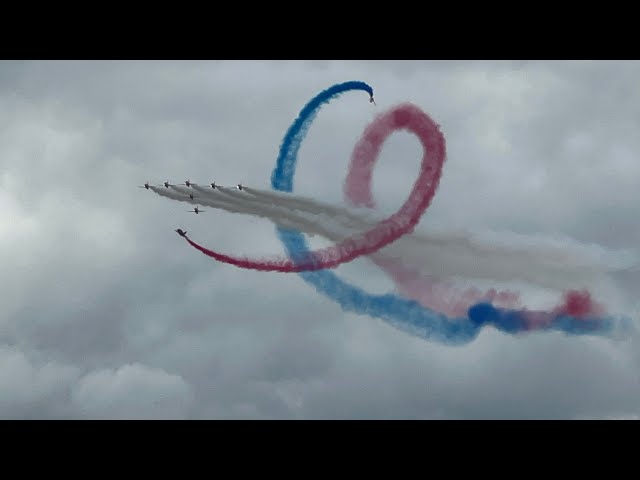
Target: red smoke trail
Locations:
point(579, 304)
point(402, 117)
point(575, 303)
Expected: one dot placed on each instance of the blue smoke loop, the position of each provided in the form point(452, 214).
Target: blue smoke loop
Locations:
point(404, 314)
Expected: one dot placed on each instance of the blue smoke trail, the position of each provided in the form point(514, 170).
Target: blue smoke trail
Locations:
point(404, 314)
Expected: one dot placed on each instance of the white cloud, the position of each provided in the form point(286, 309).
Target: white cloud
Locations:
point(132, 391)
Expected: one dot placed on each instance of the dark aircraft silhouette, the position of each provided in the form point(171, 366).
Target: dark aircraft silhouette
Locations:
point(213, 185)
point(167, 184)
point(146, 185)
point(180, 232)
point(371, 100)
point(239, 186)
point(196, 210)
point(188, 183)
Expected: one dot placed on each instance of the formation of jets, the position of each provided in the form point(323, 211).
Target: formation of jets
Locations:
point(189, 183)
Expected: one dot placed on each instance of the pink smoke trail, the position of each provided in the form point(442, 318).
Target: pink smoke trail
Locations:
point(438, 295)
point(429, 291)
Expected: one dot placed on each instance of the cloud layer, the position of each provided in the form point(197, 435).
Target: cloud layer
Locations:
point(107, 314)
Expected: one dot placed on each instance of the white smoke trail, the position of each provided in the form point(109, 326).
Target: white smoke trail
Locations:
point(362, 219)
point(559, 252)
point(209, 198)
point(498, 256)
point(554, 263)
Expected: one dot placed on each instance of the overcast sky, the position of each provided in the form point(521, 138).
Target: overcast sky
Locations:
point(107, 313)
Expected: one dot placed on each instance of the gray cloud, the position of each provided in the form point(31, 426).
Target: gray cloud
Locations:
point(31, 387)
point(107, 314)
